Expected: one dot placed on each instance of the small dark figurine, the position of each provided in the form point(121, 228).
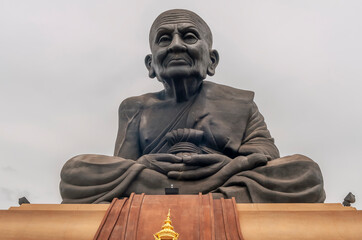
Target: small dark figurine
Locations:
point(350, 198)
point(197, 135)
point(23, 200)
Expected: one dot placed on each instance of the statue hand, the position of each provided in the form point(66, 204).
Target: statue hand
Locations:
point(162, 162)
point(218, 165)
point(205, 166)
point(255, 160)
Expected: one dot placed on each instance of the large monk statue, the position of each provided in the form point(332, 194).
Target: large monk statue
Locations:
point(196, 135)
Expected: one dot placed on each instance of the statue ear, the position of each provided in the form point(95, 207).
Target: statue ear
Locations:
point(214, 56)
point(148, 63)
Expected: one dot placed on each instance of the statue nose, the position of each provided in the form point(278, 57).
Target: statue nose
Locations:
point(177, 45)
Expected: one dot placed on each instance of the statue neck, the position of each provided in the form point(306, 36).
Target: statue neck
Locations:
point(181, 89)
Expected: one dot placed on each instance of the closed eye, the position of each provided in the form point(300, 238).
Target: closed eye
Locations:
point(190, 38)
point(164, 40)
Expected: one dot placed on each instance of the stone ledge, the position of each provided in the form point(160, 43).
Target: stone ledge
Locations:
point(257, 221)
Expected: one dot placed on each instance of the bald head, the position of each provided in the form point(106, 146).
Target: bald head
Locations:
point(175, 16)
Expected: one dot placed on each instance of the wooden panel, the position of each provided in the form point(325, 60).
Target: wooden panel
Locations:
point(105, 230)
point(283, 225)
point(293, 207)
point(194, 217)
point(120, 227)
point(45, 225)
point(185, 220)
point(63, 207)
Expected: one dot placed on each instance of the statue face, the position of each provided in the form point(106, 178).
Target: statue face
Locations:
point(180, 48)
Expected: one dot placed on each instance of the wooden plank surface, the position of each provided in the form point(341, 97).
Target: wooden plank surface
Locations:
point(299, 225)
point(257, 221)
point(293, 207)
point(49, 224)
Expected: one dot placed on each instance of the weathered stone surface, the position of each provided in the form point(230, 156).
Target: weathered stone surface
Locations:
point(194, 134)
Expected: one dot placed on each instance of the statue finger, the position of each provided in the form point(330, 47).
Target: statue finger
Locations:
point(179, 167)
point(257, 160)
point(252, 161)
point(185, 175)
point(189, 167)
point(202, 159)
point(174, 175)
point(171, 158)
point(195, 174)
point(167, 167)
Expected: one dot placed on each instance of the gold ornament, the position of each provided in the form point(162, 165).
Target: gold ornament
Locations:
point(167, 232)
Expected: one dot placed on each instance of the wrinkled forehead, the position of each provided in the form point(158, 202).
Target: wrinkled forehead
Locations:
point(176, 16)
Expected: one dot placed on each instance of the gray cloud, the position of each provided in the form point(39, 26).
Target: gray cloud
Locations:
point(8, 169)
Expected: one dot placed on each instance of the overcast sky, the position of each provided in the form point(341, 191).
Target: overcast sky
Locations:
point(65, 66)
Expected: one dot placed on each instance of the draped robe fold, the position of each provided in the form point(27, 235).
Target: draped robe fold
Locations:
point(223, 120)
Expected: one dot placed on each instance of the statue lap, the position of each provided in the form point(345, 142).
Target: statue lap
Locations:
point(98, 178)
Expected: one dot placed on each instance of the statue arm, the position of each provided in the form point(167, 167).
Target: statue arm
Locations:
point(257, 138)
point(127, 142)
point(289, 179)
point(92, 178)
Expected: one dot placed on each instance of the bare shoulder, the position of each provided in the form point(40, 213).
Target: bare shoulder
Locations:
point(216, 90)
point(136, 103)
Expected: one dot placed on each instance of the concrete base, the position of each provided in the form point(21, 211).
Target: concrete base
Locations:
point(257, 221)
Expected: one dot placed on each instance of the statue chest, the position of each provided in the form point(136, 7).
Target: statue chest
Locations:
point(221, 125)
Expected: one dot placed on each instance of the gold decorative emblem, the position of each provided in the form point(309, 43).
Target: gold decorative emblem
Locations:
point(167, 232)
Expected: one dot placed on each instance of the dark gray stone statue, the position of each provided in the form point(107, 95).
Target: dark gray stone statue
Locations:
point(197, 135)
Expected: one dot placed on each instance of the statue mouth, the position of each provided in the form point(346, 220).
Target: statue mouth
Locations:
point(178, 60)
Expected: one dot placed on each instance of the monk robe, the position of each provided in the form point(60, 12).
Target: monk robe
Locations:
point(219, 120)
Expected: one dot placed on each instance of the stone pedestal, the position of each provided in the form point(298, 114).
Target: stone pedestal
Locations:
point(256, 221)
